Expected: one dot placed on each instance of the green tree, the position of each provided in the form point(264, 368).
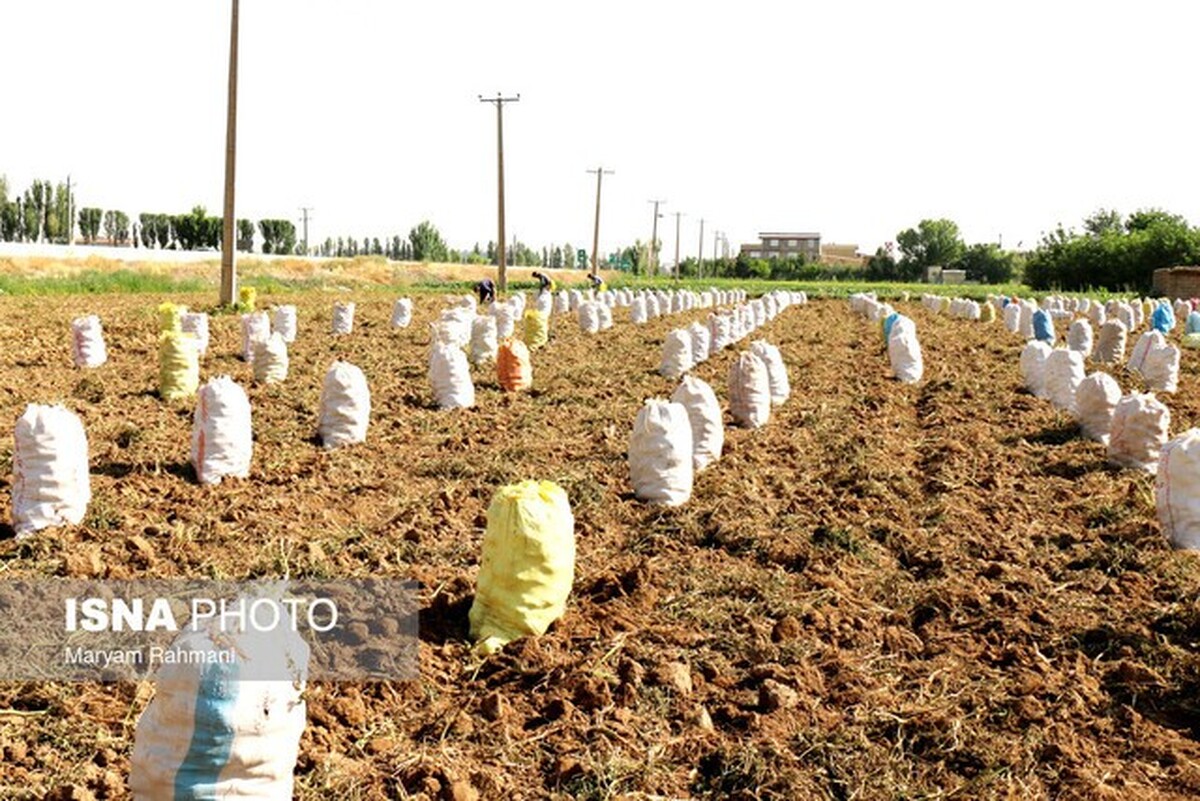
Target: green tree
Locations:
point(987, 264)
point(882, 267)
point(116, 227)
point(427, 244)
point(245, 236)
point(279, 236)
point(1104, 221)
point(931, 243)
point(89, 223)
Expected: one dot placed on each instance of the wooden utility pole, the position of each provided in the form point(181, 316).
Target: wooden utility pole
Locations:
point(678, 214)
point(654, 238)
point(700, 254)
point(229, 235)
point(600, 173)
point(500, 256)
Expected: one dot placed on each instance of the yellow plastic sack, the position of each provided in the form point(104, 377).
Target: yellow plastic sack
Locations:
point(987, 314)
point(537, 328)
point(528, 564)
point(170, 316)
point(1191, 341)
point(247, 297)
point(178, 365)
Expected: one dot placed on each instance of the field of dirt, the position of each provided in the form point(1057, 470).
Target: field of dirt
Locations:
point(890, 591)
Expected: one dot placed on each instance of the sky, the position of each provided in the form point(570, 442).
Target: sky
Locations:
point(852, 119)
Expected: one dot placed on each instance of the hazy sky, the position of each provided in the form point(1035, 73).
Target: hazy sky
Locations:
point(854, 119)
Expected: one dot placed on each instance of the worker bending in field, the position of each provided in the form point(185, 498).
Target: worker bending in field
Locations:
point(487, 291)
point(545, 282)
point(597, 282)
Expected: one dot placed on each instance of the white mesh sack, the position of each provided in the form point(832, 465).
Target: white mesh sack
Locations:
point(256, 327)
point(1128, 317)
point(1012, 317)
point(271, 360)
point(1096, 399)
point(196, 324)
point(506, 316)
point(749, 391)
point(904, 352)
point(704, 413)
point(720, 330)
point(1147, 342)
point(1160, 368)
point(455, 324)
point(343, 317)
point(1097, 315)
point(1079, 337)
point(700, 340)
point(638, 312)
point(222, 441)
point(676, 354)
point(450, 376)
point(1033, 367)
point(1025, 325)
point(484, 342)
point(604, 311)
point(1177, 490)
point(345, 406)
point(224, 730)
point(519, 304)
point(87, 342)
point(51, 486)
point(1138, 431)
point(1110, 345)
point(589, 317)
point(284, 322)
point(544, 302)
point(660, 453)
point(562, 302)
point(402, 311)
point(781, 388)
point(1064, 371)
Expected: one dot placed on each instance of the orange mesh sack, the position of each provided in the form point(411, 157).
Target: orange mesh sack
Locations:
point(513, 367)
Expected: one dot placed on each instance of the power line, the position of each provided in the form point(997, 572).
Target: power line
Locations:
point(500, 258)
point(700, 254)
point(600, 173)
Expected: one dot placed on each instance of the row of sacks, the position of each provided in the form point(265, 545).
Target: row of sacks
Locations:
point(685, 348)
point(1133, 426)
point(673, 440)
point(51, 485)
point(959, 308)
point(247, 741)
point(1153, 358)
point(1033, 321)
point(899, 335)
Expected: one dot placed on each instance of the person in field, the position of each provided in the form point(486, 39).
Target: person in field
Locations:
point(597, 282)
point(545, 282)
point(487, 291)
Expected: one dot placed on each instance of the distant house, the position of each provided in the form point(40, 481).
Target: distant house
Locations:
point(782, 245)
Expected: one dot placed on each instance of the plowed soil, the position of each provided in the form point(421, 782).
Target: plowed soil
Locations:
point(889, 591)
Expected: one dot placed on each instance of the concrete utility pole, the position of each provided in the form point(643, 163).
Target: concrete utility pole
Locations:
point(654, 238)
point(305, 210)
point(228, 239)
point(678, 214)
point(700, 254)
point(600, 173)
point(500, 257)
